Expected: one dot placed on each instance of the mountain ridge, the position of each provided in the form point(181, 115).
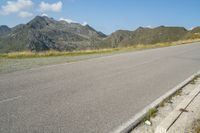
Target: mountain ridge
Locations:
point(43, 33)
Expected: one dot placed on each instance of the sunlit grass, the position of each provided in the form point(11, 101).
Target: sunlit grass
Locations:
point(29, 54)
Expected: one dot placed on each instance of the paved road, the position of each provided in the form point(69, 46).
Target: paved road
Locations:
point(93, 96)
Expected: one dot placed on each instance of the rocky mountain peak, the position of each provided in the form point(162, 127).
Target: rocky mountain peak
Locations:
point(40, 22)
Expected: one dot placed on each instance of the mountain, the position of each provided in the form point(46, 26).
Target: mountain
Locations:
point(44, 33)
point(4, 29)
point(193, 34)
point(196, 30)
point(146, 36)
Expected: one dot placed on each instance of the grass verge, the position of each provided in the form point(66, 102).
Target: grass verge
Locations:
point(28, 54)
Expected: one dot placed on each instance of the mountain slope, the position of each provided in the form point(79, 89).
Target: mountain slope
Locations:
point(193, 34)
point(146, 36)
point(196, 30)
point(43, 33)
point(4, 29)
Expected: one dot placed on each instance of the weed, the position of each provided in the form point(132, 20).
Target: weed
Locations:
point(151, 114)
point(169, 99)
point(178, 92)
point(195, 79)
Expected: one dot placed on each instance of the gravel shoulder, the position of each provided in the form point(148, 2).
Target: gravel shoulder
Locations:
point(11, 65)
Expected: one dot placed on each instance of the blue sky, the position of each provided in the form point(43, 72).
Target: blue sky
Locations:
point(105, 15)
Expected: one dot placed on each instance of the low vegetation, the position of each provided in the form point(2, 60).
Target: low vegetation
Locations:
point(198, 129)
point(153, 111)
point(195, 79)
point(197, 126)
point(178, 92)
point(169, 99)
point(151, 114)
point(28, 54)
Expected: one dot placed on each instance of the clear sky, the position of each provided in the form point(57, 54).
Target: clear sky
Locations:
point(105, 15)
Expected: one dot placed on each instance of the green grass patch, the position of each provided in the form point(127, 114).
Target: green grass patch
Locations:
point(166, 100)
point(29, 54)
point(151, 114)
point(153, 111)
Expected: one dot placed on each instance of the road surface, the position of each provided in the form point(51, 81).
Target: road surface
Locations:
point(91, 96)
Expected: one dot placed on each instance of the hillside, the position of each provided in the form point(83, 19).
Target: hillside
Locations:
point(4, 29)
point(146, 36)
point(43, 33)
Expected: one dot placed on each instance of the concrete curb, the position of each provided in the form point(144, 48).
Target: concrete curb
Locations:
point(168, 122)
point(136, 119)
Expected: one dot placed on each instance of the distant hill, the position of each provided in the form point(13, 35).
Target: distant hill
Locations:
point(146, 36)
point(44, 33)
point(193, 34)
point(196, 30)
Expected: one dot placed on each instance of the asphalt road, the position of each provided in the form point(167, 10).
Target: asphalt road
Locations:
point(91, 96)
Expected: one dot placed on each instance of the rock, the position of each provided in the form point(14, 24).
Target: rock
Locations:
point(147, 122)
point(183, 110)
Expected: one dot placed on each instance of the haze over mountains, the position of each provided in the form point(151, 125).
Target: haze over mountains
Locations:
point(43, 33)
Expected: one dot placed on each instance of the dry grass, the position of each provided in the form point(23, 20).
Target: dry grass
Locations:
point(197, 126)
point(28, 54)
point(198, 129)
point(195, 79)
point(169, 99)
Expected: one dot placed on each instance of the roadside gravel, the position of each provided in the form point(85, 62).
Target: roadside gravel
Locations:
point(11, 65)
